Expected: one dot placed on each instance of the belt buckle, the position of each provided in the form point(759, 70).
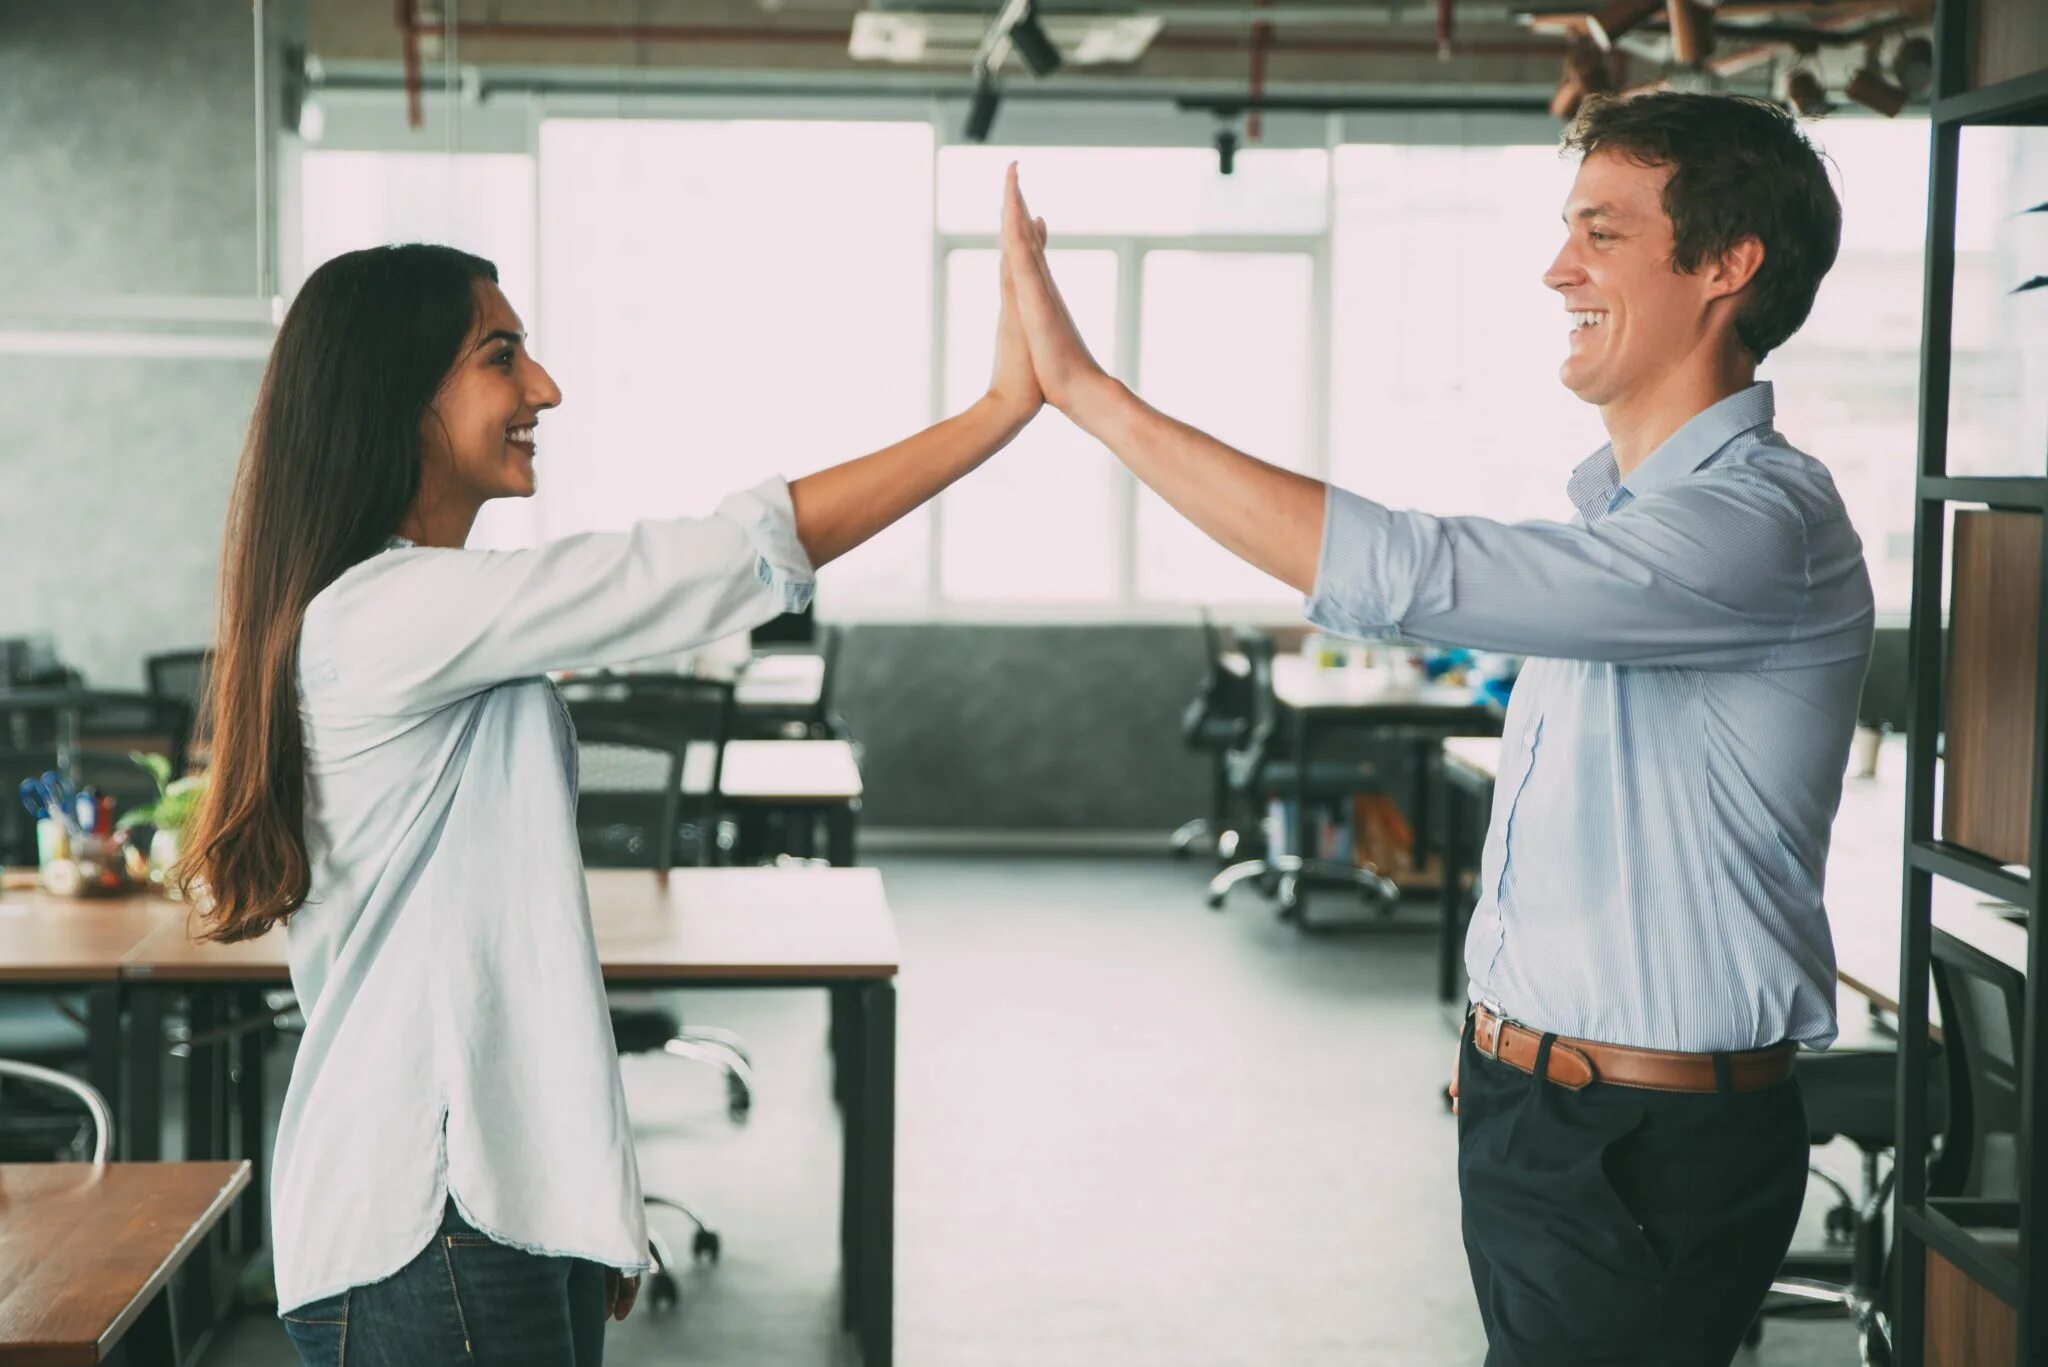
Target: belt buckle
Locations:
point(1500, 1025)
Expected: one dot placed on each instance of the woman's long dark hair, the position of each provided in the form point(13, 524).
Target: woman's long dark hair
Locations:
point(331, 467)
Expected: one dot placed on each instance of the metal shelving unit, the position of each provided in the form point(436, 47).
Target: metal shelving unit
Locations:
point(1958, 1230)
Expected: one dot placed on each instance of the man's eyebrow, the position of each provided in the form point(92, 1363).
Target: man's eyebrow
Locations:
point(1592, 211)
point(501, 335)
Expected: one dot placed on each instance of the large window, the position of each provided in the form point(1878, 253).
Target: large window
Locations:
point(723, 300)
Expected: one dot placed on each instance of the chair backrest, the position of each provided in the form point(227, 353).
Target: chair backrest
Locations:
point(679, 709)
point(831, 639)
point(1261, 737)
point(629, 786)
point(1983, 1007)
point(787, 629)
point(182, 675)
point(95, 1104)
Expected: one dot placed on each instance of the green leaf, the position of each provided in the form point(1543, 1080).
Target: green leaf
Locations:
point(159, 767)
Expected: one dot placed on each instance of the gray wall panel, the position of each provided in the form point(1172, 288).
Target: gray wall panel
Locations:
point(129, 148)
point(114, 475)
point(1043, 728)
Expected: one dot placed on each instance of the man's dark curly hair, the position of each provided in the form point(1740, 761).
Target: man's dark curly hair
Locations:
point(1740, 168)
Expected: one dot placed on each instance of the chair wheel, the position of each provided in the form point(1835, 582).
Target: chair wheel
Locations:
point(1215, 901)
point(662, 1294)
point(704, 1246)
point(1841, 1225)
point(739, 1100)
point(1290, 897)
point(1753, 1335)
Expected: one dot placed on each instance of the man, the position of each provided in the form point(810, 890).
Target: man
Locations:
point(1649, 946)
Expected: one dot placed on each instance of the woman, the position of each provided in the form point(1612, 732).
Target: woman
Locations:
point(454, 1176)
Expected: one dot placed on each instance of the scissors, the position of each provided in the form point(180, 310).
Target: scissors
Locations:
point(55, 799)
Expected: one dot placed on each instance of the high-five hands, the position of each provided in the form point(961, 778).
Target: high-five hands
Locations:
point(1067, 375)
point(1013, 383)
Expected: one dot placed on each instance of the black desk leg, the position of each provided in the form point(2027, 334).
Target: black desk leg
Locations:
point(103, 1051)
point(144, 1122)
point(877, 1327)
point(251, 1102)
point(1297, 911)
point(152, 1341)
point(848, 1032)
point(839, 823)
point(1453, 866)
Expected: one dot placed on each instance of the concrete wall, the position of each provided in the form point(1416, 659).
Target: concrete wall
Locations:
point(129, 167)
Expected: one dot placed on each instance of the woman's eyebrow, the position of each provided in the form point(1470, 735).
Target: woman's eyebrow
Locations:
point(501, 335)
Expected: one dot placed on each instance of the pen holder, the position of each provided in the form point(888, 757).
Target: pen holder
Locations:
point(80, 865)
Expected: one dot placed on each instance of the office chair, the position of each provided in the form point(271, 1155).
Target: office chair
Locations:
point(1261, 772)
point(629, 791)
point(183, 676)
point(95, 1105)
point(1214, 723)
point(1852, 1094)
point(46, 1032)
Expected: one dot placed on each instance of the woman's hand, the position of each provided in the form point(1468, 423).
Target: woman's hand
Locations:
point(619, 1294)
point(1013, 385)
point(1067, 374)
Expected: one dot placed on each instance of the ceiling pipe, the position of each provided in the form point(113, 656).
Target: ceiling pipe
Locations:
point(409, 43)
point(1262, 37)
point(514, 30)
point(1692, 31)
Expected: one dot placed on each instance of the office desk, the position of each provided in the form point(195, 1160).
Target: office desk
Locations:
point(804, 778)
point(757, 928)
point(52, 946)
point(1864, 893)
point(1318, 702)
point(781, 681)
point(1469, 766)
point(88, 1252)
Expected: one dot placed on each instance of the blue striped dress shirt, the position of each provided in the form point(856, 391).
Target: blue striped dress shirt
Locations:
point(1673, 753)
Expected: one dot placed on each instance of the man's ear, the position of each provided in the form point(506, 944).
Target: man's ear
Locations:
point(1736, 267)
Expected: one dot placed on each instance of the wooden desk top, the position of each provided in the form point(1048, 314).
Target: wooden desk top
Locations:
point(781, 924)
point(1865, 876)
point(47, 939)
point(781, 680)
point(85, 1249)
point(691, 926)
point(779, 771)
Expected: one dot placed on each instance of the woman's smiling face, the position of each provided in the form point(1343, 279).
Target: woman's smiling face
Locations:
point(479, 436)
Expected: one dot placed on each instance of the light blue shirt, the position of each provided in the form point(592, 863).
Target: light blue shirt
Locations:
point(1672, 759)
point(457, 1041)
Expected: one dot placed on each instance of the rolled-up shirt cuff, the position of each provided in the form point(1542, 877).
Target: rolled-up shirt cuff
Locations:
point(1378, 568)
point(768, 518)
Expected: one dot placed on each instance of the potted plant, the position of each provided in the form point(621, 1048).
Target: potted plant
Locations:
point(166, 818)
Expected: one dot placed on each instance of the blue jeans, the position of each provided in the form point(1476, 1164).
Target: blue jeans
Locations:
point(464, 1299)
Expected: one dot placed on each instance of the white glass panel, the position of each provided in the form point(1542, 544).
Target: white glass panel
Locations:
point(1225, 344)
point(1148, 191)
point(1445, 342)
point(1848, 382)
point(1042, 522)
point(480, 202)
point(729, 301)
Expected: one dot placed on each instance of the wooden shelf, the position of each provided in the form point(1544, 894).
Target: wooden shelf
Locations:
point(2019, 493)
point(1989, 1258)
point(2020, 100)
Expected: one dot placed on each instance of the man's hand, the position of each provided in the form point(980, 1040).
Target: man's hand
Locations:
point(619, 1294)
point(1067, 374)
point(1014, 384)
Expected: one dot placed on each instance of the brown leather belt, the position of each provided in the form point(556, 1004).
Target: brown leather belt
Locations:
point(1576, 1062)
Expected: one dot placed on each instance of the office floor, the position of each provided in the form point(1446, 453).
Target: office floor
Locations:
point(1131, 1132)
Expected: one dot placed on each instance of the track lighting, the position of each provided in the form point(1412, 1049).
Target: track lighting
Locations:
point(1027, 35)
point(1872, 89)
point(981, 108)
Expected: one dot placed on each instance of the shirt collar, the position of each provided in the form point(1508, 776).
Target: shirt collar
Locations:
point(399, 543)
point(1592, 485)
